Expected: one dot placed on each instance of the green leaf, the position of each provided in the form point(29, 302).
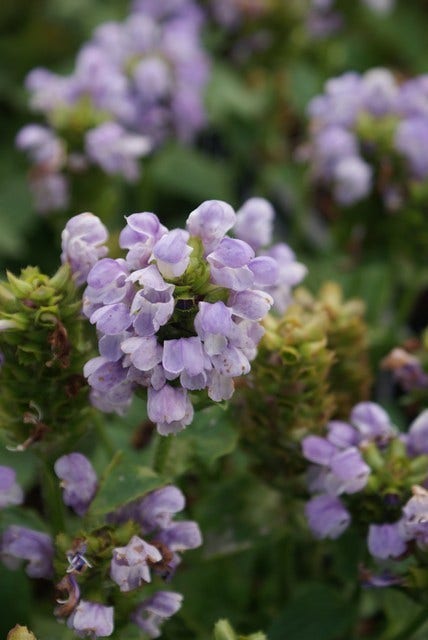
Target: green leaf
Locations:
point(122, 483)
point(15, 598)
point(209, 437)
point(317, 611)
point(23, 517)
point(192, 174)
point(228, 95)
point(212, 434)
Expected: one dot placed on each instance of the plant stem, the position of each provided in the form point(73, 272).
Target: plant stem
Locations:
point(162, 450)
point(54, 506)
point(108, 445)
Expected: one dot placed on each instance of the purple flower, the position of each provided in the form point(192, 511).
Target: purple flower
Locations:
point(184, 355)
point(379, 92)
point(140, 235)
point(19, 543)
point(147, 325)
point(91, 619)
point(340, 103)
point(172, 253)
point(154, 511)
point(372, 422)
point(78, 479)
point(229, 264)
point(157, 508)
point(341, 434)
point(214, 325)
point(144, 353)
point(82, 243)
point(107, 284)
point(413, 97)
point(386, 541)
point(10, 491)
point(349, 472)
point(290, 273)
point(411, 138)
point(112, 389)
point(417, 441)
point(50, 191)
point(415, 517)
point(153, 305)
point(151, 613)
point(130, 565)
point(220, 387)
point(331, 145)
point(170, 408)
point(134, 84)
point(180, 536)
point(211, 221)
point(43, 146)
point(153, 79)
point(327, 517)
point(250, 305)
point(115, 150)
point(352, 180)
point(254, 222)
point(112, 319)
point(343, 470)
point(318, 450)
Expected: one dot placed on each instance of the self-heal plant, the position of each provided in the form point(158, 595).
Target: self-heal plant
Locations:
point(365, 473)
point(106, 566)
point(135, 84)
point(180, 314)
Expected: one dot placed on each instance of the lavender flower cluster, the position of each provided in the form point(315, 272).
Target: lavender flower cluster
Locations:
point(129, 568)
point(134, 84)
point(366, 466)
point(369, 132)
point(181, 313)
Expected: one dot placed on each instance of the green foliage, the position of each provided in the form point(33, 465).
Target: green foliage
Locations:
point(314, 611)
point(122, 482)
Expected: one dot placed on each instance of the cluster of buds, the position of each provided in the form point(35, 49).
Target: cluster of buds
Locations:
point(181, 312)
point(366, 472)
point(43, 351)
point(110, 565)
point(129, 91)
point(312, 365)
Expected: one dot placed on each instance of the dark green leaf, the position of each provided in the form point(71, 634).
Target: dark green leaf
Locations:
point(317, 611)
point(122, 483)
point(187, 172)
